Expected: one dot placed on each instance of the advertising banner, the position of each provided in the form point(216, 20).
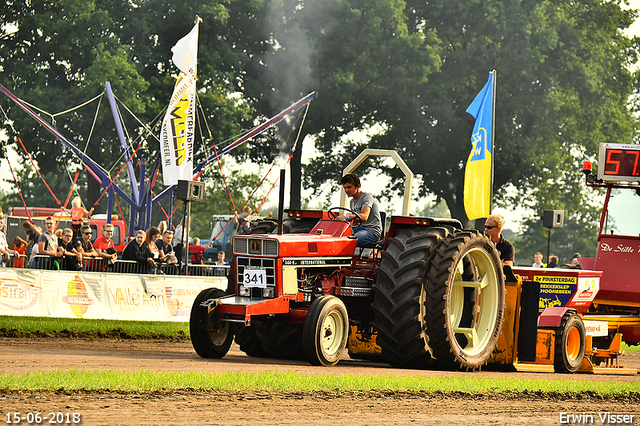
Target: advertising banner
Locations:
point(62, 294)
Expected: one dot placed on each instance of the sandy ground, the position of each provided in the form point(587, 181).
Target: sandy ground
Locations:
point(250, 408)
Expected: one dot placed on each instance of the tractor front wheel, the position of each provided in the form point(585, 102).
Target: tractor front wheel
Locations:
point(571, 342)
point(325, 331)
point(210, 337)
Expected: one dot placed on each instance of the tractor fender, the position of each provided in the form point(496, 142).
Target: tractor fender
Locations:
point(552, 317)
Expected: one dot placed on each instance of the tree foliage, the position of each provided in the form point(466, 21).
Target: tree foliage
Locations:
point(563, 87)
point(402, 70)
point(241, 186)
point(58, 54)
point(563, 84)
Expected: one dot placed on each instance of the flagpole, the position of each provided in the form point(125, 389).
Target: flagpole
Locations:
point(493, 140)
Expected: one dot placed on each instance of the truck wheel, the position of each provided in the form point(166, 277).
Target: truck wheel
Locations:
point(570, 345)
point(325, 331)
point(210, 338)
point(465, 300)
point(399, 296)
point(248, 341)
point(281, 339)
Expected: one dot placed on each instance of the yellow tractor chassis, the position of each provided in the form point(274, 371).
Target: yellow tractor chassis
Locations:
point(513, 346)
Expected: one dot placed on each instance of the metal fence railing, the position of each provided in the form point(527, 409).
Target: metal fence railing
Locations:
point(90, 264)
point(209, 270)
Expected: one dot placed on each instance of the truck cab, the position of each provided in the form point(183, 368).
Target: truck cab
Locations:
point(223, 229)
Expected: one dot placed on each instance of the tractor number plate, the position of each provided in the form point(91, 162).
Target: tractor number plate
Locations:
point(255, 278)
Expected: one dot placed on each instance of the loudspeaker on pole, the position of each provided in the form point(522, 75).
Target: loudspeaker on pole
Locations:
point(553, 218)
point(189, 190)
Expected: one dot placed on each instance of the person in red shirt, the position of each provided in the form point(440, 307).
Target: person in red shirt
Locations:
point(196, 250)
point(104, 244)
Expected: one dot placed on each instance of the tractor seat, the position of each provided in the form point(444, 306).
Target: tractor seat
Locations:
point(378, 244)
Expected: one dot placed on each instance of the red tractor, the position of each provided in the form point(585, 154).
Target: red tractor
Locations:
point(429, 293)
point(429, 290)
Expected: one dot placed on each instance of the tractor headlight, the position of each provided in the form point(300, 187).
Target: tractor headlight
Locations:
point(243, 291)
point(268, 293)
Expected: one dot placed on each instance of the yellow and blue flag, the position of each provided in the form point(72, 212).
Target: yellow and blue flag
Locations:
point(477, 173)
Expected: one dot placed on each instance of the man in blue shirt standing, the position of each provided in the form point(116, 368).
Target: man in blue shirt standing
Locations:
point(370, 229)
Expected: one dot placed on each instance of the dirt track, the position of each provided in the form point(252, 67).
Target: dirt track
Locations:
point(229, 408)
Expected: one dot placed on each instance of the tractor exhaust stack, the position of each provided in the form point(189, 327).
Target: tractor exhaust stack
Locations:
point(281, 202)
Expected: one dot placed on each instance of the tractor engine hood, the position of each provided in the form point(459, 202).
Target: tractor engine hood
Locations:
point(327, 238)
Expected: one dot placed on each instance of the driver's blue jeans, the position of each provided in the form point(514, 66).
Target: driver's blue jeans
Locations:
point(364, 236)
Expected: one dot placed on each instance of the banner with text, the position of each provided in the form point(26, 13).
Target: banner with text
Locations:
point(178, 126)
point(25, 292)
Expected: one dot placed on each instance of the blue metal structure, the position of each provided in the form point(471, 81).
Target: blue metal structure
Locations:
point(140, 210)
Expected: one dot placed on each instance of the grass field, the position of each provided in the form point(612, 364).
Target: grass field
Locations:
point(276, 382)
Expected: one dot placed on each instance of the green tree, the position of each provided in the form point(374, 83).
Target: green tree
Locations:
point(56, 54)
point(563, 86)
point(240, 185)
point(52, 54)
point(361, 58)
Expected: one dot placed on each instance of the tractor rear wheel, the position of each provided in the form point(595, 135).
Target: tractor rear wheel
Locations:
point(210, 337)
point(247, 339)
point(280, 339)
point(325, 331)
point(465, 300)
point(399, 296)
point(570, 345)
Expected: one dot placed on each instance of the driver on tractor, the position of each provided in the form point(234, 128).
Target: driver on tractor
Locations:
point(367, 224)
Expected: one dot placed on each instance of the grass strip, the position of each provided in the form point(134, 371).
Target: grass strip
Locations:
point(11, 326)
point(75, 380)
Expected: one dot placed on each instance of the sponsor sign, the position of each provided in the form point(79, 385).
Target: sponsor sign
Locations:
point(596, 328)
point(16, 295)
point(101, 296)
point(587, 290)
point(555, 290)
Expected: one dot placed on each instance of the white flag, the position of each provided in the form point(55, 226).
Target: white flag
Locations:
point(185, 52)
point(178, 126)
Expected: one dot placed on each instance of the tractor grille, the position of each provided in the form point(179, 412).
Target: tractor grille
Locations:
point(356, 287)
point(269, 265)
point(255, 246)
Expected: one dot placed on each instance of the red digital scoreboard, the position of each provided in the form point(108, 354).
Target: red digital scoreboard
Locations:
point(619, 162)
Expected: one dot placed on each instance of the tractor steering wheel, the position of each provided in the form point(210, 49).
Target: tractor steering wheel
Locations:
point(333, 214)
